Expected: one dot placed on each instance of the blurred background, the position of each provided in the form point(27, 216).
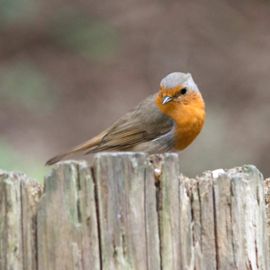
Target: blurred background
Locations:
point(68, 69)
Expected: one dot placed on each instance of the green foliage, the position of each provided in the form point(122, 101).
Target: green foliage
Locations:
point(24, 85)
point(12, 11)
point(92, 39)
point(12, 160)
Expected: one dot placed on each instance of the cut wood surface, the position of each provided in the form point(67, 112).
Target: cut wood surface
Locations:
point(131, 211)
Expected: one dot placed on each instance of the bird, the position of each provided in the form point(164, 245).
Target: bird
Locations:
point(167, 121)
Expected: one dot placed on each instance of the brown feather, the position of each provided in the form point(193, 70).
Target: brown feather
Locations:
point(80, 148)
point(139, 126)
point(153, 126)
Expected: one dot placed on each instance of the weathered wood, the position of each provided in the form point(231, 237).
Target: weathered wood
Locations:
point(206, 221)
point(30, 196)
point(130, 211)
point(66, 220)
point(122, 203)
point(169, 213)
point(18, 200)
point(267, 203)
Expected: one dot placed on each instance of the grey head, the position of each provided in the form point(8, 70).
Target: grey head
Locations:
point(175, 79)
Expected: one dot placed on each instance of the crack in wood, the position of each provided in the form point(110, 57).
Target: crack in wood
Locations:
point(145, 219)
point(93, 174)
point(215, 229)
point(22, 218)
point(78, 190)
point(200, 205)
point(156, 163)
point(159, 208)
point(231, 224)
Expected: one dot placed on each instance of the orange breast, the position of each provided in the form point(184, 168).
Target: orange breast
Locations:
point(189, 119)
point(187, 129)
point(189, 116)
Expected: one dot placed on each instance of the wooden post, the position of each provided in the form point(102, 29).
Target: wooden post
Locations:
point(130, 211)
point(267, 203)
point(18, 201)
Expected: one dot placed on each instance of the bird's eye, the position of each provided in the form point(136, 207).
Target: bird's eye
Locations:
point(183, 91)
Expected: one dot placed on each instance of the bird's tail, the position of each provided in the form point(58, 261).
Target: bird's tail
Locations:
point(57, 158)
point(85, 147)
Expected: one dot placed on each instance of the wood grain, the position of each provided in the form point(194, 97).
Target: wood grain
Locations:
point(133, 211)
point(18, 201)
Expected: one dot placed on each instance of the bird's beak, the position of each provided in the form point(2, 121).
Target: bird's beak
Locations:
point(166, 99)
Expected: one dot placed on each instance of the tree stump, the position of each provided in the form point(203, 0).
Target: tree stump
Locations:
point(131, 211)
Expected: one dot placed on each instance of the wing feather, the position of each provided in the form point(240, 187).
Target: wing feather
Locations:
point(138, 127)
point(141, 125)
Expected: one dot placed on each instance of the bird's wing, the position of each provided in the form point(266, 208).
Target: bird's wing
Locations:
point(141, 125)
point(84, 147)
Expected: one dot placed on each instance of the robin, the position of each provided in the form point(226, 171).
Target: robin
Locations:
point(166, 121)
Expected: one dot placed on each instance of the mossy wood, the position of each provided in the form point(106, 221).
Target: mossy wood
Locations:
point(130, 211)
